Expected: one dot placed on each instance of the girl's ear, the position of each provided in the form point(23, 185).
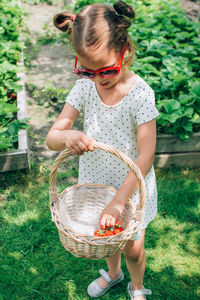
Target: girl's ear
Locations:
point(63, 21)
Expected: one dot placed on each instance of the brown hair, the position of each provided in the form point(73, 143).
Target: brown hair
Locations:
point(98, 24)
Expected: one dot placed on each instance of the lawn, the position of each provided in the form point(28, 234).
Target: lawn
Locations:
point(35, 265)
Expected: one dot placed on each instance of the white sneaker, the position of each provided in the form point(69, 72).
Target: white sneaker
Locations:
point(137, 293)
point(94, 290)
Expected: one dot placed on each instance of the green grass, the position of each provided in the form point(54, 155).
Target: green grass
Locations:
point(35, 265)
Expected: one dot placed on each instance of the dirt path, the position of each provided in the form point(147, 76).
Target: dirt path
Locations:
point(192, 9)
point(53, 64)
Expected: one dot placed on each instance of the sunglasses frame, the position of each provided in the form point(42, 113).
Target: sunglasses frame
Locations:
point(94, 73)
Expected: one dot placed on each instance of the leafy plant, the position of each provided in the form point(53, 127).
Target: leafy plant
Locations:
point(10, 52)
point(48, 96)
point(9, 126)
point(167, 57)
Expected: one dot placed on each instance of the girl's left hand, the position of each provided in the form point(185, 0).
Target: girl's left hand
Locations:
point(110, 214)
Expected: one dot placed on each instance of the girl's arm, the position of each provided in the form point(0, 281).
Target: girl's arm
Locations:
point(146, 144)
point(61, 136)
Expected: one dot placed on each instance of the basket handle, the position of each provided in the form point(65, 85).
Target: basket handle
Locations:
point(110, 149)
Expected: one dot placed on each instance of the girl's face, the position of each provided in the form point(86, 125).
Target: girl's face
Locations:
point(95, 60)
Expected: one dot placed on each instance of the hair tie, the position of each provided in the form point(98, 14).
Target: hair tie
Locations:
point(73, 17)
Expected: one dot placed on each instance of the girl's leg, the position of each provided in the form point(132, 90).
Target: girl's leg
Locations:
point(114, 268)
point(135, 259)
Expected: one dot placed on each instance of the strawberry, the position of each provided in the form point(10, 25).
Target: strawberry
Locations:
point(99, 232)
point(118, 230)
point(109, 230)
point(96, 233)
point(108, 233)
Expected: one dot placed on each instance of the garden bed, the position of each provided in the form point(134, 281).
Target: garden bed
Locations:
point(171, 150)
point(18, 159)
point(13, 125)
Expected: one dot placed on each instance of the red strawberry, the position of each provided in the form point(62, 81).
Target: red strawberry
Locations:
point(99, 232)
point(117, 230)
point(108, 233)
point(96, 233)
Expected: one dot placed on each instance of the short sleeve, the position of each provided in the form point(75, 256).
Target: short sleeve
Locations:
point(146, 109)
point(76, 97)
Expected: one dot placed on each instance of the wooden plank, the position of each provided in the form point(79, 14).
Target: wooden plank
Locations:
point(189, 159)
point(14, 160)
point(172, 144)
point(23, 140)
point(22, 112)
point(21, 97)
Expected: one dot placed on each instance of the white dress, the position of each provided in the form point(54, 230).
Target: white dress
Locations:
point(115, 125)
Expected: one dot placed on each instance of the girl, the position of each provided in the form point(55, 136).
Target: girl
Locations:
point(119, 109)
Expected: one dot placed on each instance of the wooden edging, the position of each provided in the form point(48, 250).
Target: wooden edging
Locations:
point(19, 159)
point(167, 143)
point(171, 151)
point(187, 160)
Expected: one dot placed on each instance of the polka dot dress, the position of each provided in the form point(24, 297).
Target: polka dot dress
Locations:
point(115, 125)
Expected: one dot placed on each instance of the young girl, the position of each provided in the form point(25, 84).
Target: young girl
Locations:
point(119, 109)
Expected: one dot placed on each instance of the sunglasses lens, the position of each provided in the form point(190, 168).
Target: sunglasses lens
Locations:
point(85, 74)
point(109, 73)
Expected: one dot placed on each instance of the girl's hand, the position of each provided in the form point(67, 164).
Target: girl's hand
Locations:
point(110, 214)
point(78, 142)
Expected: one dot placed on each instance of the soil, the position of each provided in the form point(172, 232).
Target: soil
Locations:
point(192, 9)
point(54, 63)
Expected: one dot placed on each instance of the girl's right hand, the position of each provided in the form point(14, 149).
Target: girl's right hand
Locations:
point(78, 142)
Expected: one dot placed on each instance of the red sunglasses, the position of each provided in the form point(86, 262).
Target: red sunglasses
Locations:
point(105, 73)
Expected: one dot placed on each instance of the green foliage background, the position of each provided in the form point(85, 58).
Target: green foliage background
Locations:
point(167, 56)
point(10, 53)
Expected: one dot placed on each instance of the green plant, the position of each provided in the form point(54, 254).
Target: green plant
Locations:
point(9, 126)
point(167, 57)
point(10, 53)
point(48, 96)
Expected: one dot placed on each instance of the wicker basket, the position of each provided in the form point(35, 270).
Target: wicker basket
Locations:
point(79, 207)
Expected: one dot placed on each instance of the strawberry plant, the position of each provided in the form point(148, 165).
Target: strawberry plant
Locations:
point(167, 56)
point(10, 51)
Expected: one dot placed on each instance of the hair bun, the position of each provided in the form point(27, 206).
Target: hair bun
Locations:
point(63, 21)
point(124, 9)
